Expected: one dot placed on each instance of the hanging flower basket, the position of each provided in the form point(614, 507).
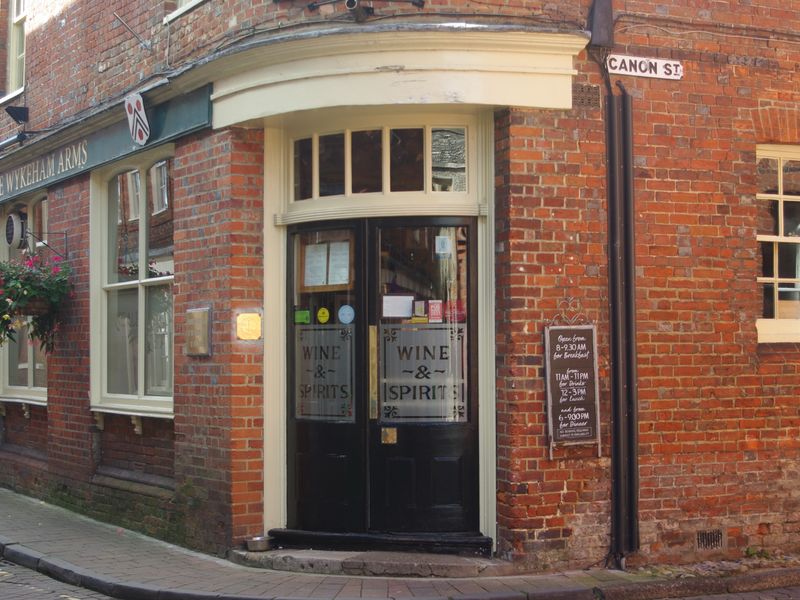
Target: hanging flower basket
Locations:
point(35, 307)
point(31, 293)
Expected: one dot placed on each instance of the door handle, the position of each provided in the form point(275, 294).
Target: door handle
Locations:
point(373, 372)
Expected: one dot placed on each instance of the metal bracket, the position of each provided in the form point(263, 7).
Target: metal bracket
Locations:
point(136, 421)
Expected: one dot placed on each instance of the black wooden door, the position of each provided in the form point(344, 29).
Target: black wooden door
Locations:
point(383, 403)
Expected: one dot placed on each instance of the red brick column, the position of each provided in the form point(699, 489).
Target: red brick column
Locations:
point(219, 399)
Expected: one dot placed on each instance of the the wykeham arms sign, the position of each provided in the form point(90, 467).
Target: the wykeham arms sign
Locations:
point(638, 66)
point(168, 121)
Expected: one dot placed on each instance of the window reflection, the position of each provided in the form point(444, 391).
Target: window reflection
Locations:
point(406, 160)
point(448, 160)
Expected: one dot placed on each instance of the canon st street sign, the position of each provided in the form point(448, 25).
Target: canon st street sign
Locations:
point(638, 66)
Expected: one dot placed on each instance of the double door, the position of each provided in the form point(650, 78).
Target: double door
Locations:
point(382, 427)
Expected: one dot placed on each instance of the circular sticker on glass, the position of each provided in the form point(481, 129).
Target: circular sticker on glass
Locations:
point(346, 314)
point(323, 315)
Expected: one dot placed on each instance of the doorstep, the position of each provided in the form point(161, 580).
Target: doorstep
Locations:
point(374, 563)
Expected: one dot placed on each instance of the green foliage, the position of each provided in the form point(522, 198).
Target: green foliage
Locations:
point(32, 287)
point(751, 552)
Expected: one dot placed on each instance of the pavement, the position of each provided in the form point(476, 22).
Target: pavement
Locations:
point(124, 564)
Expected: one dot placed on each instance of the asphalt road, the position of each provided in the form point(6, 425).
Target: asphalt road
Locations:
point(20, 583)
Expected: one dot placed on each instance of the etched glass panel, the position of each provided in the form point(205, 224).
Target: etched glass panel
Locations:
point(423, 324)
point(323, 317)
point(121, 343)
point(158, 341)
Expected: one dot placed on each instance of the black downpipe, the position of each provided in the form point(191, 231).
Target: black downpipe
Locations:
point(622, 277)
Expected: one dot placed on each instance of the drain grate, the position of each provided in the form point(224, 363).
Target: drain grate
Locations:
point(709, 540)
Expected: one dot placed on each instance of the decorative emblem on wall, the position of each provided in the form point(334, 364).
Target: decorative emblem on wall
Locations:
point(137, 119)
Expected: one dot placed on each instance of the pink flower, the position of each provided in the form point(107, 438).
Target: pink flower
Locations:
point(56, 270)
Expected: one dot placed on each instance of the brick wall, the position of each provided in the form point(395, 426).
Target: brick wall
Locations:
point(219, 399)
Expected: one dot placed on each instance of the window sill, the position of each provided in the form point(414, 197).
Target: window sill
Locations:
point(12, 95)
point(772, 331)
point(182, 10)
point(130, 411)
point(32, 400)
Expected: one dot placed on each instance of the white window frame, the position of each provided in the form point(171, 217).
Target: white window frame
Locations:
point(184, 6)
point(776, 329)
point(15, 64)
point(27, 394)
point(159, 181)
point(100, 400)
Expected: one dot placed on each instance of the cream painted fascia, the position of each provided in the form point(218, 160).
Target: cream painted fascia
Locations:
point(511, 68)
point(778, 330)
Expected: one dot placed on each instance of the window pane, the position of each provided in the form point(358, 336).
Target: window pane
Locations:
point(791, 218)
point(449, 160)
point(768, 176)
point(303, 169)
point(121, 345)
point(331, 165)
point(18, 358)
point(123, 233)
point(39, 225)
point(791, 178)
point(769, 301)
point(158, 346)
point(367, 161)
point(788, 263)
point(406, 161)
point(767, 259)
point(789, 301)
point(160, 249)
point(39, 366)
point(767, 218)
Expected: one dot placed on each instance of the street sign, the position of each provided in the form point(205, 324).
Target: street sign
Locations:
point(638, 66)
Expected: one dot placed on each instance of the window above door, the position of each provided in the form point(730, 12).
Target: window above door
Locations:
point(378, 165)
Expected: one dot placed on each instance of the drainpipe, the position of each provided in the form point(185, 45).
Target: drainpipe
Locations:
point(622, 297)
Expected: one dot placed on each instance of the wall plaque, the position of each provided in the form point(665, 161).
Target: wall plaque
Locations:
point(572, 391)
point(198, 331)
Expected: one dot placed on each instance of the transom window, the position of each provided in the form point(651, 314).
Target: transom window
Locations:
point(778, 234)
point(384, 160)
point(133, 343)
point(24, 362)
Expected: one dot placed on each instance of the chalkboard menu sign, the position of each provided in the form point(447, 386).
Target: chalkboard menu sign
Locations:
point(572, 395)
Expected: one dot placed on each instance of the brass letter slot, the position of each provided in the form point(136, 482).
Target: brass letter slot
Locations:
point(373, 372)
point(388, 435)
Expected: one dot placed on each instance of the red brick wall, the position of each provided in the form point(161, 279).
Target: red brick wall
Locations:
point(550, 215)
point(219, 399)
point(150, 452)
point(28, 432)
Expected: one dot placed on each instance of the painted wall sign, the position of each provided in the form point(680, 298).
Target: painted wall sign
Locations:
point(638, 66)
point(423, 373)
point(323, 376)
point(168, 121)
point(572, 390)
